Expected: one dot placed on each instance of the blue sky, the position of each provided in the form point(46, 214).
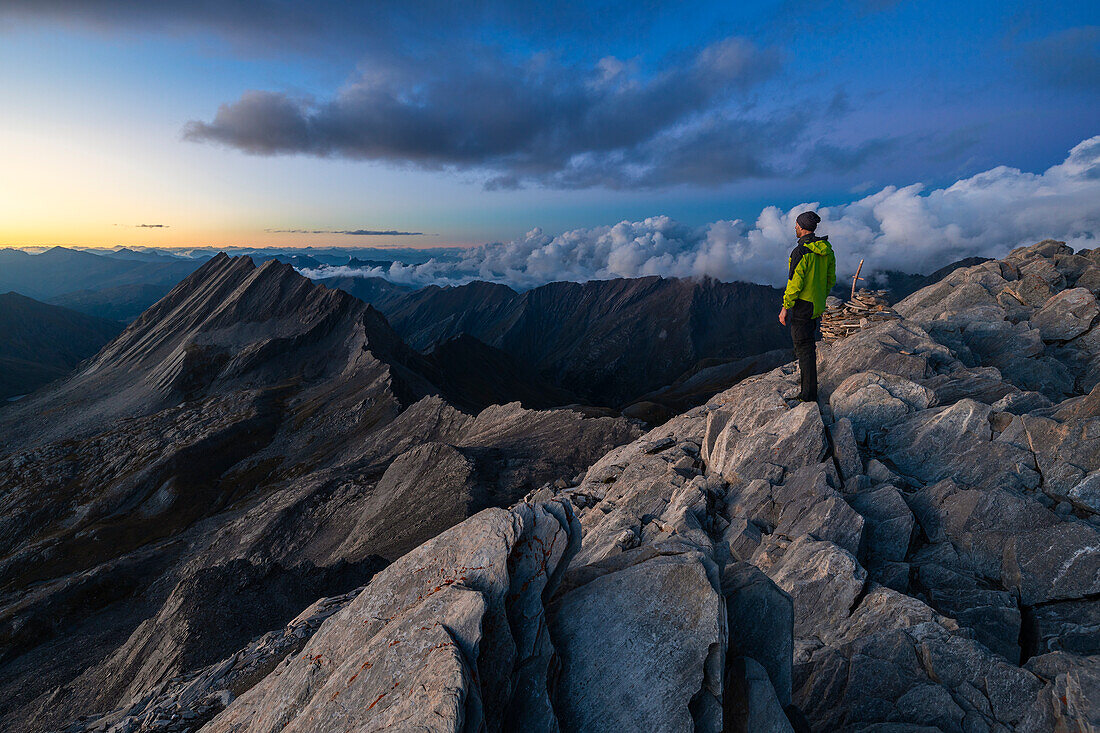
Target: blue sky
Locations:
point(227, 121)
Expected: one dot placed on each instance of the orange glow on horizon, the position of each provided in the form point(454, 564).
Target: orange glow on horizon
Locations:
point(59, 189)
point(255, 243)
point(100, 236)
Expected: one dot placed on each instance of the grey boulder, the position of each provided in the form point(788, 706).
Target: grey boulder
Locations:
point(1066, 315)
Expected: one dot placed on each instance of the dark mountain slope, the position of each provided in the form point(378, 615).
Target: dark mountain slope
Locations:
point(121, 303)
point(607, 341)
point(40, 342)
point(435, 314)
point(374, 290)
point(484, 375)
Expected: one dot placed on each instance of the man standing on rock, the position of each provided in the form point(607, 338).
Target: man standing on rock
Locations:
point(811, 274)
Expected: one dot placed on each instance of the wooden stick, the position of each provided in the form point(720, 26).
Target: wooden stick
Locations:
point(856, 277)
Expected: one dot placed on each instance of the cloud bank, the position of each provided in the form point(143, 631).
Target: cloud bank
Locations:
point(907, 229)
point(531, 121)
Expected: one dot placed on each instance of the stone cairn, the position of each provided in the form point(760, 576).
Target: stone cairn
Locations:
point(842, 319)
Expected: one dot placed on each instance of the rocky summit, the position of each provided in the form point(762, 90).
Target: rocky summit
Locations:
point(920, 551)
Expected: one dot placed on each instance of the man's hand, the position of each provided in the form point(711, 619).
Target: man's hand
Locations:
point(783, 316)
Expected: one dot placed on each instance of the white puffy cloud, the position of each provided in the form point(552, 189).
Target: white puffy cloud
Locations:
point(907, 228)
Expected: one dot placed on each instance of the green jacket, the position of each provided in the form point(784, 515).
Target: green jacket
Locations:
point(811, 273)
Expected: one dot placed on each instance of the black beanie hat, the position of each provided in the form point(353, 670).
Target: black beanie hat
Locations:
point(808, 220)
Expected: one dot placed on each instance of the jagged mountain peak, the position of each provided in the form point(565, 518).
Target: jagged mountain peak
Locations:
point(234, 288)
point(228, 326)
point(228, 308)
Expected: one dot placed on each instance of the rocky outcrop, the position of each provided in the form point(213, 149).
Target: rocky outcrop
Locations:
point(184, 703)
point(450, 637)
point(917, 552)
point(1022, 315)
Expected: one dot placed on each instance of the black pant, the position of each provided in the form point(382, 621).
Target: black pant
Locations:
point(804, 336)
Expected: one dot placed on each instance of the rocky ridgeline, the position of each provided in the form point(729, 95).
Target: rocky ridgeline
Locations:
point(919, 553)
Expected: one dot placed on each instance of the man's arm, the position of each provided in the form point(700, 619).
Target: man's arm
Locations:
point(796, 280)
point(830, 277)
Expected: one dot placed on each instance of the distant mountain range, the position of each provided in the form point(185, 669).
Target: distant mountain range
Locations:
point(59, 271)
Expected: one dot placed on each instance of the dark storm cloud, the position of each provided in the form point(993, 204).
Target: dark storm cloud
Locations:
point(356, 232)
point(709, 151)
point(533, 121)
point(1069, 58)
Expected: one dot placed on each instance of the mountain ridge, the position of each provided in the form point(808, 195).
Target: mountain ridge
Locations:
point(59, 271)
point(608, 341)
point(918, 552)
